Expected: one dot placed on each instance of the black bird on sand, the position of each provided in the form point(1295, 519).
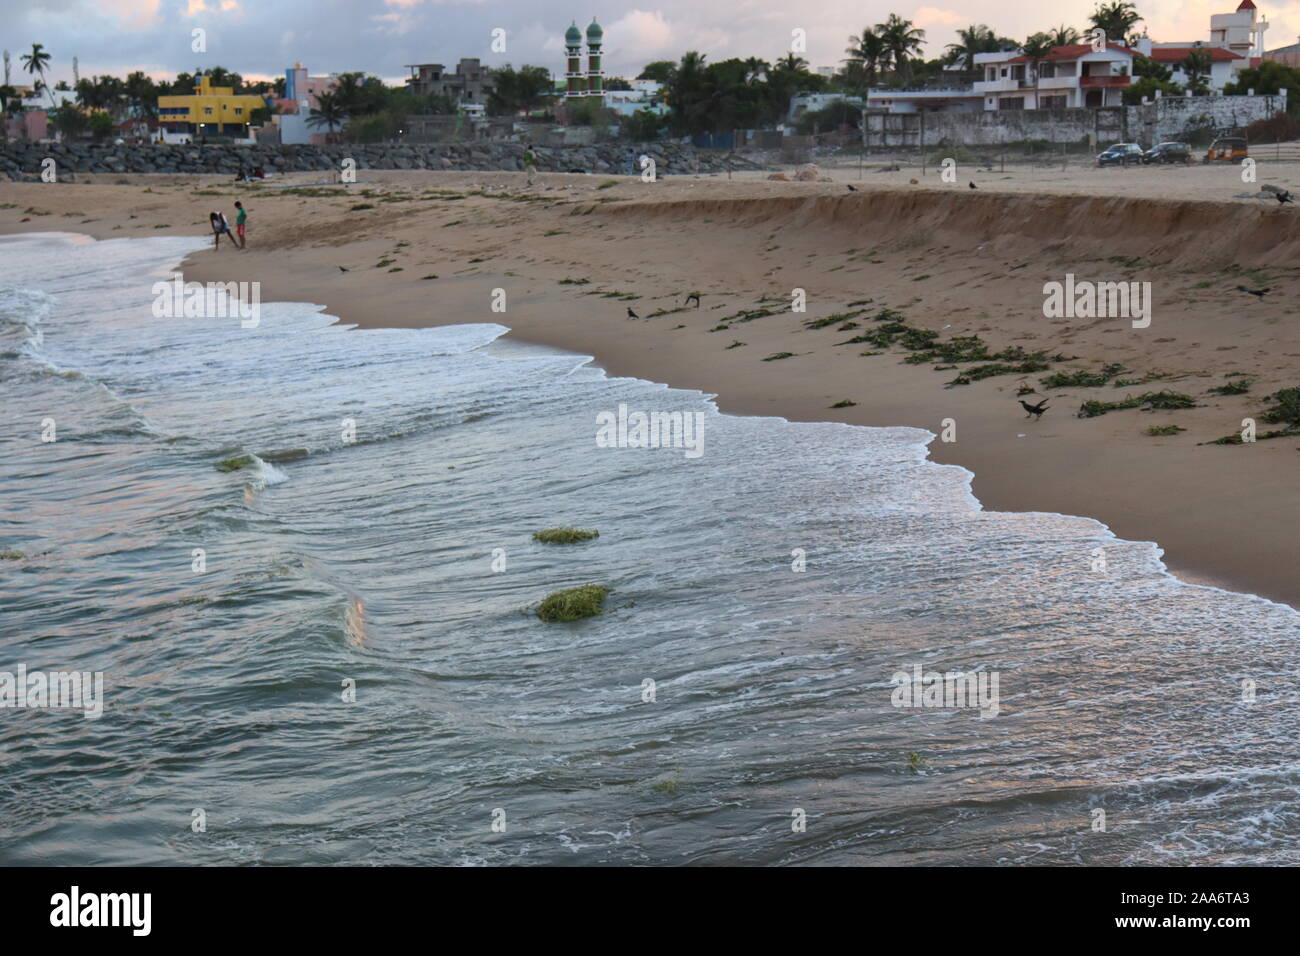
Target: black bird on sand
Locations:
point(1284, 197)
point(341, 269)
point(972, 184)
point(1257, 293)
point(695, 296)
point(631, 314)
point(851, 189)
point(1035, 411)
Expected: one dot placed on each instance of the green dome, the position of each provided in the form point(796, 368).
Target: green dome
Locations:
point(573, 36)
point(594, 32)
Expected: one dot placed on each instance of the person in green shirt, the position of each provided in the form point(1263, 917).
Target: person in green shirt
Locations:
point(530, 163)
point(240, 221)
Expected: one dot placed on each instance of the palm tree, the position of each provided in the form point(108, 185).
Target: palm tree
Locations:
point(35, 64)
point(792, 63)
point(1115, 19)
point(328, 112)
point(1036, 49)
point(1196, 67)
point(901, 40)
point(1063, 35)
point(866, 50)
point(976, 38)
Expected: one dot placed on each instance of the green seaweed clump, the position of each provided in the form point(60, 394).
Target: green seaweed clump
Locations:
point(235, 463)
point(573, 604)
point(565, 535)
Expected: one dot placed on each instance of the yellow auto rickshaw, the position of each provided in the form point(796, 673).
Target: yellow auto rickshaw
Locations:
point(1226, 149)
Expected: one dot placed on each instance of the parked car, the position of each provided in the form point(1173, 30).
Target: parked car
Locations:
point(1226, 149)
point(1168, 153)
point(1121, 154)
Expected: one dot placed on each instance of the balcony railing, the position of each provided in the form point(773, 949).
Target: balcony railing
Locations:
point(1096, 81)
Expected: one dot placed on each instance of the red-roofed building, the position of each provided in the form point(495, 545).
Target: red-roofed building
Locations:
point(1224, 63)
point(1069, 76)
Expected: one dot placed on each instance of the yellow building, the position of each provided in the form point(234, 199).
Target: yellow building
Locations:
point(210, 111)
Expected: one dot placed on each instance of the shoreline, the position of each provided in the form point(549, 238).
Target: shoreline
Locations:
point(1212, 511)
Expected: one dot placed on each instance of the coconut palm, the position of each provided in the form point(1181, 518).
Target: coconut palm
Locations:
point(1063, 35)
point(867, 51)
point(1196, 67)
point(901, 40)
point(35, 63)
point(976, 38)
point(328, 113)
point(1115, 19)
point(1036, 49)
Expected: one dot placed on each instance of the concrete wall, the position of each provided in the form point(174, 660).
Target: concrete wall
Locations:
point(1171, 117)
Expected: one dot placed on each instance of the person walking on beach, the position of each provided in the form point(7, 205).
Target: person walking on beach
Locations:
point(241, 220)
point(530, 163)
point(219, 225)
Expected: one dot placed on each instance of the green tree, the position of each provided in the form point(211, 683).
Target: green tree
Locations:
point(1116, 19)
point(1196, 67)
point(517, 91)
point(328, 113)
point(70, 121)
point(976, 38)
point(101, 124)
point(864, 54)
point(1063, 35)
point(901, 40)
point(1269, 79)
point(661, 71)
point(36, 63)
point(642, 126)
point(1036, 49)
point(141, 94)
point(1148, 86)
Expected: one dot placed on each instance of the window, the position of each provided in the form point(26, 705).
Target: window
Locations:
point(239, 111)
point(207, 111)
point(1011, 103)
point(1054, 102)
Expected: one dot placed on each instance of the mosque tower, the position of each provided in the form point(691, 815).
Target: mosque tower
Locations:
point(573, 51)
point(595, 77)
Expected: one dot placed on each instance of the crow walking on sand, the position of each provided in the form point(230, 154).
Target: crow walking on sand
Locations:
point(341, 269)
point(631, 314)
point(1035, 411)
point(851, 189)
point(1257, 293)
point(972, 184)
point(695, 296)
point(1283, 197)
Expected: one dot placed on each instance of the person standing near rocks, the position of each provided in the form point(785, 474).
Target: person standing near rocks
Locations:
point(530, 163)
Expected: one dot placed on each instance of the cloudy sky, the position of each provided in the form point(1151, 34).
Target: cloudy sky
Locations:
point(259, 38)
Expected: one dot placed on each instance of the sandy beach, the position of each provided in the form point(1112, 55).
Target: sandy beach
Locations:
point(575, 252)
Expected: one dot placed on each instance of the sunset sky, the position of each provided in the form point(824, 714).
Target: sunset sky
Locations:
point(261, 37)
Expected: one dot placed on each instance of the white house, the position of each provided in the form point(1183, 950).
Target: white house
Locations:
point(925, 101)
point(802, 103)
point(1068, 76)
point(1241, 31)
point(1224, 63)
